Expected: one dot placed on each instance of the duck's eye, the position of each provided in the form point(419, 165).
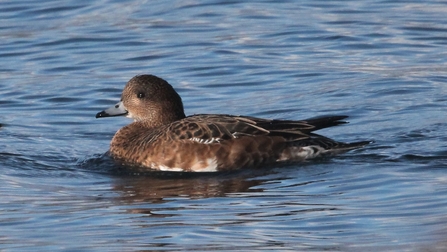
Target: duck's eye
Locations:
point(140, 95)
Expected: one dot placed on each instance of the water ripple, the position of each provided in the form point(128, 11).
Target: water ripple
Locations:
point(382, 63)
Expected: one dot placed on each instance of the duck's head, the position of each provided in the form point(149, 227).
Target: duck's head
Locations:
point(150, 99)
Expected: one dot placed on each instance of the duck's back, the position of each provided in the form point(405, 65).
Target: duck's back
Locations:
point(224, 142)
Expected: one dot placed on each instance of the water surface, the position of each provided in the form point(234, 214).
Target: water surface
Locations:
point(383, 63)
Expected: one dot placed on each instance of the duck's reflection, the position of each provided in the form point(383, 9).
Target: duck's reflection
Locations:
point(159, 187)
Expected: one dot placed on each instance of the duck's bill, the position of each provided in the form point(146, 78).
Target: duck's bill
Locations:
point(117, 110)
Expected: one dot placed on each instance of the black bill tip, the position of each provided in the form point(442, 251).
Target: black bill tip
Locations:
point(102, 114)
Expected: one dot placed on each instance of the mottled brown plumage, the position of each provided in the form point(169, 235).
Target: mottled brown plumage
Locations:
point(163, 138)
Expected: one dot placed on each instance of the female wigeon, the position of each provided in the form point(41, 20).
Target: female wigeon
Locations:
point(163, 138)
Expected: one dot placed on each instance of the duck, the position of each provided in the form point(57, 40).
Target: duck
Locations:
point(162, 138)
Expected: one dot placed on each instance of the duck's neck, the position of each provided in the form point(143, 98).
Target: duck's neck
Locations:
point(159, 119)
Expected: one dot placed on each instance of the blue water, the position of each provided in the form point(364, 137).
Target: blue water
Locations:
point(383, 63)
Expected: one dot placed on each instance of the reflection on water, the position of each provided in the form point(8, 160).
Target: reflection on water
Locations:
point(154, 189)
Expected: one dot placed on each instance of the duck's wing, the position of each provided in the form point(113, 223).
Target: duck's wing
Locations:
point(206, 128)
point(295, 130)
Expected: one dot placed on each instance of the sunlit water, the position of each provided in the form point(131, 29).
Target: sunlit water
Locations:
point(383, 63)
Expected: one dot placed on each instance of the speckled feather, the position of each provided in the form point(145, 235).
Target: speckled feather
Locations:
point(163, 138)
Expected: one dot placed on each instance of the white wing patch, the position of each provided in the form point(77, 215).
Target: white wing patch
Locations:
point(172, 169)
point(296, 153)
point(205, 141)
point(209, 165)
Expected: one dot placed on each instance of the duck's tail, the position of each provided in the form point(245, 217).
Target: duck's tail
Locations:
point(344, 147)
point(318, 147)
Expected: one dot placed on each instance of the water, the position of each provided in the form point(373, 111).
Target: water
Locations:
point(383, 63)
